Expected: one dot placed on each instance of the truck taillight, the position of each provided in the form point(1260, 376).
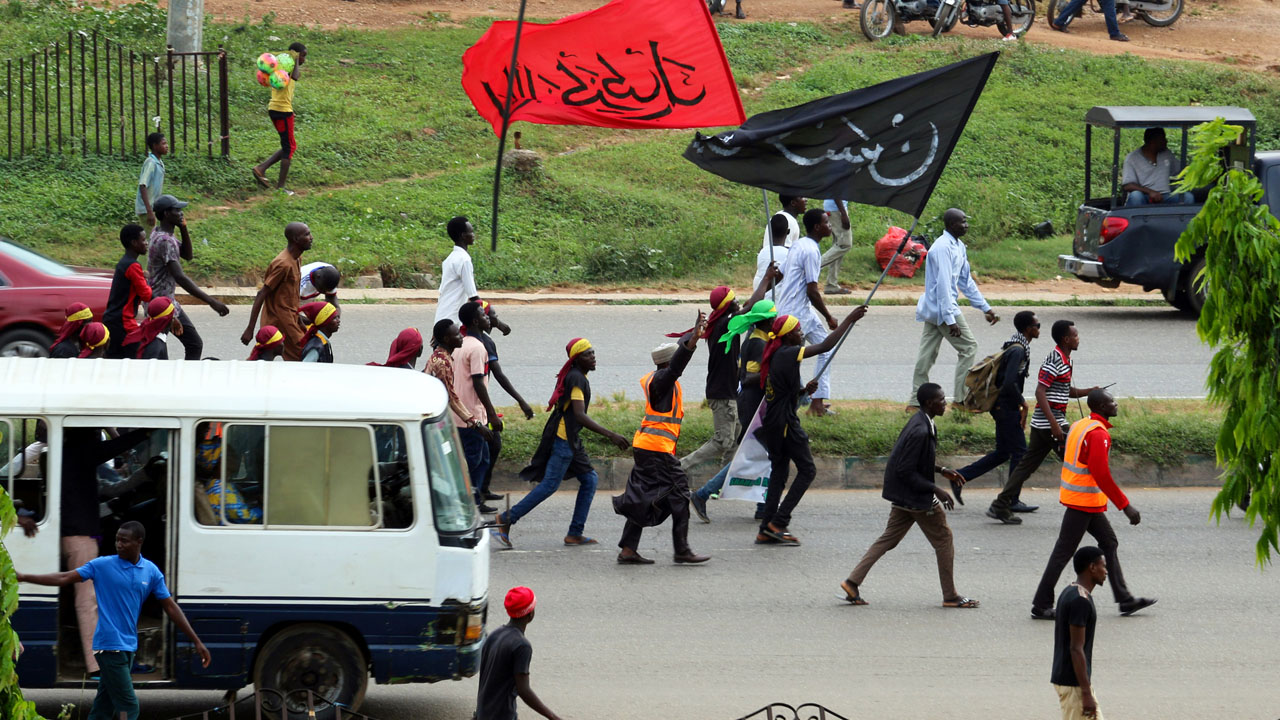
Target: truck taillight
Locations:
point(1111, 227)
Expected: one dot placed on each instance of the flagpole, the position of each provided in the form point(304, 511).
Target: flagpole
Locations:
point(831, 355)
point(768, 225)
point(506, 122)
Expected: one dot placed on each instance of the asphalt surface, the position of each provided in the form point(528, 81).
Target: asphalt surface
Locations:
point(1146, 352)
point(763, 624)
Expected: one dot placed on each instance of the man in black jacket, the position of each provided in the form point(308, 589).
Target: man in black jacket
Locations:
point(1010, 409)
point(908, 484)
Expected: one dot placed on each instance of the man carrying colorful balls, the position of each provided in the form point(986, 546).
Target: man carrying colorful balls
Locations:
point(280, 72)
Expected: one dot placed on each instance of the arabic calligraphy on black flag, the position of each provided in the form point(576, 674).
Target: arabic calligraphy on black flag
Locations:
point(882, 145)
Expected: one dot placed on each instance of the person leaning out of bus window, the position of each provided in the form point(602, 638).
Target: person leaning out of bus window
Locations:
point(123, 581)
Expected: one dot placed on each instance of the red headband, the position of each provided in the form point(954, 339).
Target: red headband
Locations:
point(77, 315)
point(576, 347)
point(159, 317)
point(782, 326)
point(405, 348)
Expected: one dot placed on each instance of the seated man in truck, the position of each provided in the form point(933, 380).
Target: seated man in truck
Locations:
point(1149, 172)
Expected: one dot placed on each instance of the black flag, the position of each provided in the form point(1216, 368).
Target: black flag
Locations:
point(882, 145)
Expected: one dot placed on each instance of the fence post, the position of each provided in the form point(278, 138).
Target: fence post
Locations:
point(173, 141)
point(223, 102)
point(208, 113)
point(8, 108)
point(120, 84)
point(133, 104)
point(84, 104)
point(195, 76)
point(71, 87)
point(57, 64)
point(22, 107)
point(35, 126)
point(46, 100)
point(97, 135)
point(184, 101)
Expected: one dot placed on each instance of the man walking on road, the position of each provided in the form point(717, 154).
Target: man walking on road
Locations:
point(488, 321)
point(1085, 488)
point(800, 297)
point(278, 298)
point(1010, 409)
point(908, 484)
point(471, 383)
point(128, 288)
point(164, 270)
point(841, 243)
point(658, 487)
point(946, 275)
point(1073, 637)
point(1053, 389)
point(121, 582)
point(504, 663)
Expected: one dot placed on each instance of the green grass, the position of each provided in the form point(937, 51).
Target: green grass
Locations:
point(1158, 431)
point(390, 148)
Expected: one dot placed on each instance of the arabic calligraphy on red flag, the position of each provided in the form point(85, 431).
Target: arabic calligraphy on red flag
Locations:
point(628, 64)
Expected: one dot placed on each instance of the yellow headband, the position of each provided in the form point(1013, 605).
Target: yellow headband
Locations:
point(85, 314)
point(278, 337)
point(165, 313)
point(106, 335)
point(579, 347)
point(728, 298)
point(787, 326)
point(325, 313)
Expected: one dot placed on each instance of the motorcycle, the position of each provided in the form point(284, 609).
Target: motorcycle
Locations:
point(984, 13)
point(1159, 14)
point(879, 18)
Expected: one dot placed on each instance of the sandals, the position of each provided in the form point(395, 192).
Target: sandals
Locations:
point(501, 533)
point(779, 535)
point(261, 179)
point(960, 602)
point(849, 593)
point(574, 540)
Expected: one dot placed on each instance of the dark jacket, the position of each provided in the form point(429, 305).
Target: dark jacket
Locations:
point(908, 476)
point(1012, 377)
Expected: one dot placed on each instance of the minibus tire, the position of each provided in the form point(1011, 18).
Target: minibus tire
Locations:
point(298, 653)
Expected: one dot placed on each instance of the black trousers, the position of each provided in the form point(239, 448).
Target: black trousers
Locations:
point(495, 447)
point(784, 449)
point(1075, 523)
point(677, 503)
point(1040, 445)
point(192, 343)
point(116, 349)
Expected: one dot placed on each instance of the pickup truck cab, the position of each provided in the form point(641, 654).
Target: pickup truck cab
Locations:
point(1115, 243)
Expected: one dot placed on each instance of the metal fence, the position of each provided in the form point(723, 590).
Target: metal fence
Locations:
point(275, 705)
point(90, 94)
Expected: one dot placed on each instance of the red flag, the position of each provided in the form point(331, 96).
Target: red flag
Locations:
point(629, 64)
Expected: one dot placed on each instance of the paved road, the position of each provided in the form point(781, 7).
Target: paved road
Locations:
point(759, 625)
point(1146, 352)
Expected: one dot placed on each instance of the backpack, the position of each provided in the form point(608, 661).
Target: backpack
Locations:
point(982, 382)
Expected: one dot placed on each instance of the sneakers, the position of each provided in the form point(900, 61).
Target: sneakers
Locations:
point(1120, 38)
point(699, 507)
point(1010, 38)
point(1136, 604)
point(1005, 517)
point(1021, 507)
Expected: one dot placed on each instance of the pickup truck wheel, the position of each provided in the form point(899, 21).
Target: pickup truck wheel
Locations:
point(1193, 290)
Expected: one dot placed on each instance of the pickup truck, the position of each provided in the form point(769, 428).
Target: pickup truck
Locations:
point(1116, 244)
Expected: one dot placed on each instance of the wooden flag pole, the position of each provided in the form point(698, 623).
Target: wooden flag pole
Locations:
point(506, 122)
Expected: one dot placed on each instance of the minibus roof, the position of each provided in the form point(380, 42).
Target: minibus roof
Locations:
point(214, 389)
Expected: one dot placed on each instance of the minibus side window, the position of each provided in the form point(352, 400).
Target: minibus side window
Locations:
point(450, 494)
point(394, 477)
point(229, 477)
point(24, 456)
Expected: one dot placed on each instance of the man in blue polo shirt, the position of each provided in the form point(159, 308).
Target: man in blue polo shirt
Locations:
point(122, 582)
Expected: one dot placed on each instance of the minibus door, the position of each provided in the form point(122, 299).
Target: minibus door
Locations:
point(25, 467)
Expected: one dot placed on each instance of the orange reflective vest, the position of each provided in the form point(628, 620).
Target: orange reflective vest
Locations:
point(659, 430)
point(1077, 487)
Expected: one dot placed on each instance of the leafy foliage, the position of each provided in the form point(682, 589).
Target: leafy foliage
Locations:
point(1240, 241)
point(12, 705)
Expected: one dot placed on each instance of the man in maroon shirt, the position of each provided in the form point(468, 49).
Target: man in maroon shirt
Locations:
point(128, 288)
point(1085, 488)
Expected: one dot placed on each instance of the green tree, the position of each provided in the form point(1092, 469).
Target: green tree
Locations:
point(12, 704)
point(1239, 240)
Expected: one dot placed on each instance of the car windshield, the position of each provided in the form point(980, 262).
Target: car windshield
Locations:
point(33, 259)
point(451, 502)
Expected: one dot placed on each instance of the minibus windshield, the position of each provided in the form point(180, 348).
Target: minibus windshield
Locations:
point(450, 497)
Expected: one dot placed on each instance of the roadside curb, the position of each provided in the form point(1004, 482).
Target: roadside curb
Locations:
point(855, 473)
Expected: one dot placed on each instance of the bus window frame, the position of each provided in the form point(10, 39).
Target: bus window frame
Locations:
point(8, 479)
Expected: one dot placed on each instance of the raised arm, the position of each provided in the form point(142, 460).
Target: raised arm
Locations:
point(58, 579)
point(841, 329)
point(771, 274)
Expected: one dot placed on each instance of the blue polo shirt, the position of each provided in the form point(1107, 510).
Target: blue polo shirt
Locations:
point(121, 587)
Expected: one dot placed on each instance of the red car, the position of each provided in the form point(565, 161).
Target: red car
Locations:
point(35, 292)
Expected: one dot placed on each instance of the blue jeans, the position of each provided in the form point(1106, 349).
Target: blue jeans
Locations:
point(557, 465)
point(476, 450)
point(1137, 197)
point(1011, 444)
point(714, 484)
point(115, 688)
point(1108, 11)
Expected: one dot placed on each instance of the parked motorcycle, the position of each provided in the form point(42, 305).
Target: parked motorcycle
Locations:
point(879, 18)
point(984, 13)
point(1159, 14)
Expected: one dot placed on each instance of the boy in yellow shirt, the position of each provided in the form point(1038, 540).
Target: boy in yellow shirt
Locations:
point(280, 109)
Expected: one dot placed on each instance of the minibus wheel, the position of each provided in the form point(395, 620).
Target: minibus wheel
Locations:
point(310, 656)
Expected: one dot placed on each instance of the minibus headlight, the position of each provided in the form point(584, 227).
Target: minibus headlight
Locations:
point(474, 629)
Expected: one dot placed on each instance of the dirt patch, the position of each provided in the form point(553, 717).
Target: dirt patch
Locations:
point(1241, 33)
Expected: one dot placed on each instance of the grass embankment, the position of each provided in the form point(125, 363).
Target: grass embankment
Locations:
point(1159, 431)
point(390, 148)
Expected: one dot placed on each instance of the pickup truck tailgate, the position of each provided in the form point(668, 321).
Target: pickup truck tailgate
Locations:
point(1088, 231)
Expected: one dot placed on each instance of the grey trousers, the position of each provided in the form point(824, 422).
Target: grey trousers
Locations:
point(724, 436)
point(930, 340)
point(841, 242)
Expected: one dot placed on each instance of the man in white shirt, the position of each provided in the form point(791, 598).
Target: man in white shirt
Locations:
point(946, 275)
point(319, 278)
point(457, 275)
point(1149, 170)
point(799, 295)
point(776, 254)
point(792, 208)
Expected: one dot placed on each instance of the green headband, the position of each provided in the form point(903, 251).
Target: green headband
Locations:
point(762, 310)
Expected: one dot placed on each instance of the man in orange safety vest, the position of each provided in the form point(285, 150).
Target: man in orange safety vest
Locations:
point(1085, 488)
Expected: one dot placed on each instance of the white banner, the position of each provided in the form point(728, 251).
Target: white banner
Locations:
point(748, 477)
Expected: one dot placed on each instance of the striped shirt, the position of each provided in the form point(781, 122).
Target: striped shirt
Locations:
point(1055, 377)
